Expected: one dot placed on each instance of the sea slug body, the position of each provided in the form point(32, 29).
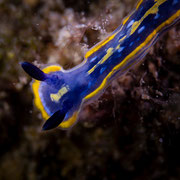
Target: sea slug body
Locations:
point(60, 94)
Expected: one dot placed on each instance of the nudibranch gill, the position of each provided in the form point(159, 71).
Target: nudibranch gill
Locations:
point(59, 94)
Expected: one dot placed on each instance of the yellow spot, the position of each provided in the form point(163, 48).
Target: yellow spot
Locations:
point(99, 45)
point(108, 54)
point(135, 26)
point(56, 97)
point(132, 54)
point(92, 69)
point(122, 38)
point(139, 3)
point(118, 46)
point(35, 87)
point(153, 10)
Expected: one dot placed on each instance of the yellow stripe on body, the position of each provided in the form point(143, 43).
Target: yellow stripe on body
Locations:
point(147, 40)
point(106, 56)
point(138, 4)
point(125, 20)
point(122, 39)
point(104, 42)
point(69, 122)
point(99, 45)
point(153, 10)
point(136, 25)
point(39, 105)
point(118, 46)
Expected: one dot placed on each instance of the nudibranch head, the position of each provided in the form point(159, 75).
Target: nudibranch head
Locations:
point(53, 96)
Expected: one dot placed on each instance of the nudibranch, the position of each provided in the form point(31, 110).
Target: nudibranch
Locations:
point(59, 94)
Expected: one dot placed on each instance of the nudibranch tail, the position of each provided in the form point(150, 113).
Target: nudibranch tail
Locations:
point(34, 71)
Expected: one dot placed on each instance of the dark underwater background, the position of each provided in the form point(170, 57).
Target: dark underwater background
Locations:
point(131, 132)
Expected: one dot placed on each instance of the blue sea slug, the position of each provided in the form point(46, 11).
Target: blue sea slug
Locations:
point(59, 94)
